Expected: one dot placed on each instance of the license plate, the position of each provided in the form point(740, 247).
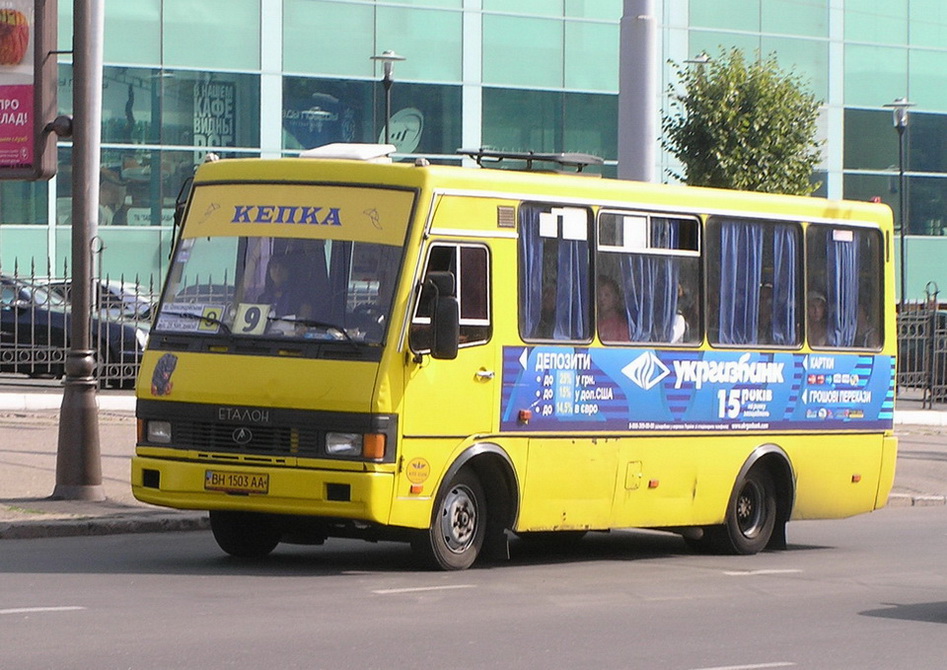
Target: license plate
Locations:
point(236, 482)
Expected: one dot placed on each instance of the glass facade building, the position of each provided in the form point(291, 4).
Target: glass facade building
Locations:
point(269, 77)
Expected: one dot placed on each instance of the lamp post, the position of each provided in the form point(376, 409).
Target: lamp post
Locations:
point(900, 118)
point(78, 456)
point(388, 59)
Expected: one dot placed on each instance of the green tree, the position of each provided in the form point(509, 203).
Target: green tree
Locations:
point(743, 125)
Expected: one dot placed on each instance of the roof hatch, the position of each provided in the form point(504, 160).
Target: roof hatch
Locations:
point(371, 153)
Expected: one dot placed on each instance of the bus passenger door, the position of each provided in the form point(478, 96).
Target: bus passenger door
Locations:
point(454, 397)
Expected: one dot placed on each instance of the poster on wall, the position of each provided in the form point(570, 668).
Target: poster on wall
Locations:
point(16, 84)
point(27, 88)
point(215, 114)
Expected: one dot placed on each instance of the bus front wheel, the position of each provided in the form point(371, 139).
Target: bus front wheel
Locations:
point(244, 534)
point(458, 523)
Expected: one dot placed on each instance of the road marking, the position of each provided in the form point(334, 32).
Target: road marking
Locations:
point(31, 610)
point(748, 573)
point(756, 666)
point(385, 592)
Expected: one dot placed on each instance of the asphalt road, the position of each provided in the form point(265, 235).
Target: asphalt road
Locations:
point(867, 592)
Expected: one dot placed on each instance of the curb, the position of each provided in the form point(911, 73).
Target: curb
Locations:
point(152, 523)
point(931, 417)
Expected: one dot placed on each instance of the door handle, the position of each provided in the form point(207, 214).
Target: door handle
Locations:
point(485, 374)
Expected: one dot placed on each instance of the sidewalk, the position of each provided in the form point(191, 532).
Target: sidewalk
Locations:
point(29, 439)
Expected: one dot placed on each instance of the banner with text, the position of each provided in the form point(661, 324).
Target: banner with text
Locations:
point(553, 388)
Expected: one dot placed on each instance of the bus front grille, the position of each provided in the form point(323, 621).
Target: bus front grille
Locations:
point(264, 440)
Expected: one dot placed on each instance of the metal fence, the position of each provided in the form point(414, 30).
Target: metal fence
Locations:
point(922, 349)
point(36, 323)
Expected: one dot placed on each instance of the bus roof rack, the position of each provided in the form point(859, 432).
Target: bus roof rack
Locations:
point(373, 153)
point(576, 160)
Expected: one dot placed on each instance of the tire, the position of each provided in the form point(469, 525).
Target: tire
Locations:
point(458, 525)
point(751, 516)
point(244, 534)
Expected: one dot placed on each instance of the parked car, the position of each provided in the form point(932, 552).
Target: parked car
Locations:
point(118, 298)
point(36, 329)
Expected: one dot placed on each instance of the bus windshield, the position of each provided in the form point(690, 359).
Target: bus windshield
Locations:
point(285, 288)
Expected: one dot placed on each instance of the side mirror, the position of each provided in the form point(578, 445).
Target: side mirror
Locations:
point(445, 316)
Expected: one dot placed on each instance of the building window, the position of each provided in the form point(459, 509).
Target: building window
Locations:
point(179, 107)
point(551, 121)
point(425, 117)
point(211, 33)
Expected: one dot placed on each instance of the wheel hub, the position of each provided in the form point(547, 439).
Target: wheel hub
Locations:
point(749, 510)
point(459, 519)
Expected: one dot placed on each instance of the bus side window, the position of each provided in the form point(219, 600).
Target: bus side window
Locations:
point(754, 282)
point(554, 273)
point(648, 285)
point(470, 265)
point(844, 287)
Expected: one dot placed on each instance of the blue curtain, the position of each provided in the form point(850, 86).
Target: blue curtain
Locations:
point(531, 264)
point(637, 274)
point(665, 235)
point(785, 284)
point(841, 290)
point(650, 287)
point(572, 287)
point(572, 292)
point(741, 268)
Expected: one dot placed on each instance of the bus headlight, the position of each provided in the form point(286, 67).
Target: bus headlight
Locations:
point(142, 337)
point(343, 444)
point(370, 446)
point(159, 431)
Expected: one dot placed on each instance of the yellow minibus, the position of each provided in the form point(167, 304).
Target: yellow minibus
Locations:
point(348, 346)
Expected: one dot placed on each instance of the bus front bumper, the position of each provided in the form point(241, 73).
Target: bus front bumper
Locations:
point(357, 495)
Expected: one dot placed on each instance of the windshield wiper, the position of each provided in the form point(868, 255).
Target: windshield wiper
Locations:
point(314, 323)
point(198, 317)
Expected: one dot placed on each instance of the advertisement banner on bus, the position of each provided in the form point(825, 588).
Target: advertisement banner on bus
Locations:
point(574, 388)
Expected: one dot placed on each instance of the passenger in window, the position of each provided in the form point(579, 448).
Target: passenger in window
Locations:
point(685, 321)
point(547, 314)
point(281, 292)
point(612, 320)
point(867, 334)
point(816, 312)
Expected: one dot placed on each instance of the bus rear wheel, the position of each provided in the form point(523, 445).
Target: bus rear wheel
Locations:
point(751, 516)
point(458, 524)
point(244, 534)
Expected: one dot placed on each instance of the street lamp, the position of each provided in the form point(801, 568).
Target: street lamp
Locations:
point(388, 59)
point(900, 117)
